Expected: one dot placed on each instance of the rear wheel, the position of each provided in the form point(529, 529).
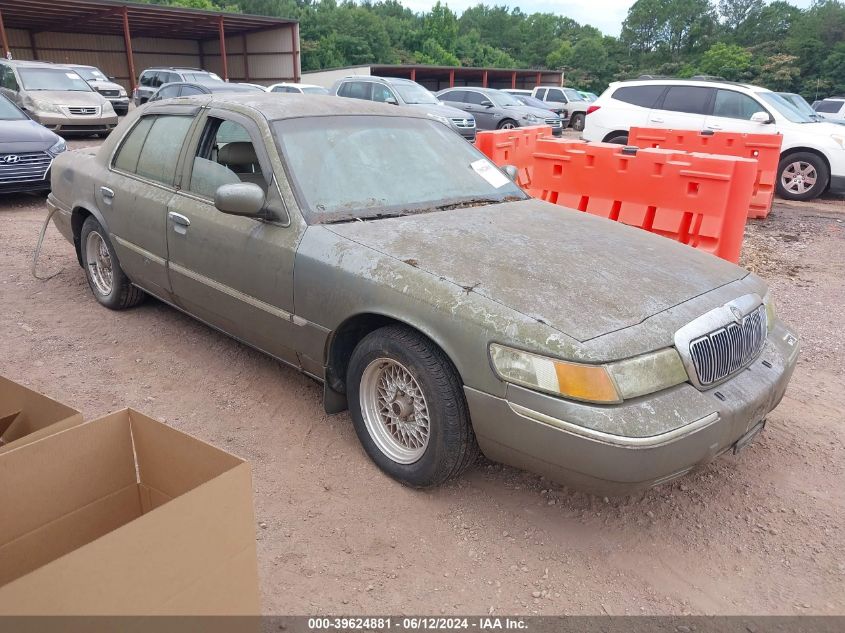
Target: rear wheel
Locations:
point(618, 139)
point(577, 122)
point(508, 124)
point(407, 404)
point(109, 284)
point(802, 176)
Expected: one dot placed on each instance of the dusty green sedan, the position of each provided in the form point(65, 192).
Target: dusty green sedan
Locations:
point(378, 252)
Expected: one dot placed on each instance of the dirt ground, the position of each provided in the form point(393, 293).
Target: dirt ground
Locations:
point(759, 533)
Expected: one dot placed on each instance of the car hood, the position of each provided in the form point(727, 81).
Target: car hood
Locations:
point(440, 109)
point(25, 131)
point(819, 128)
point(67, 97)
point(104, 85)
point(583, 275)
point(524, 109)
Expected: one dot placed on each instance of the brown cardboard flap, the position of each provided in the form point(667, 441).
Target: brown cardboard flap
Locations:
point(67, 533)
point(49, 479)
point(171, 461)
point(142, 567)
point(26, 415)
point(7, 420)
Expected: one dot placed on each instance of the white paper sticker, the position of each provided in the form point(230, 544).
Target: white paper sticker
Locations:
point(492, 175)
point(72, 75)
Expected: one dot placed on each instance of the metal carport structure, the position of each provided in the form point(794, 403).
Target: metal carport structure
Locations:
point(124, 38)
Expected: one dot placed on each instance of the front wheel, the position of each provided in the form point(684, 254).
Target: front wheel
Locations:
point(407, 404)
point(109, 284)
point(577, 122)
point(508, 124)
point(802, 176)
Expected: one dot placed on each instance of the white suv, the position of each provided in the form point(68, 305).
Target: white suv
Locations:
point(812, 154)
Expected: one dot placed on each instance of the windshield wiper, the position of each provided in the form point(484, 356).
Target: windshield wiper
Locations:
point(475, 202)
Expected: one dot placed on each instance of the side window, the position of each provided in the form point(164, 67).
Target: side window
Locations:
point(475, 98)
point(735, 105)
point(188, 89)
point(145, 79)
point(455, 96)
point(280, 89)
point(643, 96)
point(689, 99)
point(358, 89)
point(168, 92)
point(556, 95)
point(383, 94)
point(226, 155)
point(7, 78)
point(541, 94)
point(152, 148)
point(828, 106)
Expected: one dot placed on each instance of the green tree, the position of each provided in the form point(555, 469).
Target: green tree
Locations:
point(726, 60)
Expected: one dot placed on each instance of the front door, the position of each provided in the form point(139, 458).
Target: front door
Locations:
point(732, 112)
point(235, 273)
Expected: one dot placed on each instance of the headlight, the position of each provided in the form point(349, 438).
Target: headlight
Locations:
point(606, 384)
point(121, 92)
point(44, 106)
point(58, 148)
point(442, 119)
point(532, 118)
point(839, 139)
point(107, 107)
point(771, 315)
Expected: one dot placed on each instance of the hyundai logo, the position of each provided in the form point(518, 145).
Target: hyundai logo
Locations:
point(9, 159)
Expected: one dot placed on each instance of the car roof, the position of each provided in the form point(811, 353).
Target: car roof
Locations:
point(27, 62)
point(279, 105)
point(672, 81)
point(188, 68)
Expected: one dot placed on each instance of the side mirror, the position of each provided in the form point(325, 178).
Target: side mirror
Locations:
point(242, 198)
point(511, 171)
point(761, 117)
point(391, 101)
point(487, 104)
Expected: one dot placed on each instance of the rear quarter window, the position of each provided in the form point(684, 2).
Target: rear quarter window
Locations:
point(829, 106)
point(643, 96)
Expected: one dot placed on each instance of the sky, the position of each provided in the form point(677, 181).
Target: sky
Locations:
point(605, 15)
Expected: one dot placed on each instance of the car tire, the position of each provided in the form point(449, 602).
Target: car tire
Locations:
point(802, 176)
point(617, 139)
point(408, 407)
point(109, 284)
point(507, 124)
point(577, 121)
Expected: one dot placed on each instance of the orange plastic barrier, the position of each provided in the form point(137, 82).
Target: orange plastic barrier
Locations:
point(764, 148)
point(513, 147)
point(697, 199)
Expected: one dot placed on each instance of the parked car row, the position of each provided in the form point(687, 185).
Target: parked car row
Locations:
point(813, 150)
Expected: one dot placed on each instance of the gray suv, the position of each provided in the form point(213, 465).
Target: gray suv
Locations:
point(114, 93)
point(154, 78)
point(497, 110)
point(569, 99)
point(404, 92)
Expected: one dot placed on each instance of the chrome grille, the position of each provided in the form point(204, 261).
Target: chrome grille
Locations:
point(725, 351)
point(464, 123)
point(87, 110)
point(553, 122)
point(24, 167)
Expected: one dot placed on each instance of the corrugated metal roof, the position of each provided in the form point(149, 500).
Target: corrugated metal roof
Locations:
point(105, 17)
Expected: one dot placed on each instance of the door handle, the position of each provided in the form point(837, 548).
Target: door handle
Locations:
point(714, 127)
point(108, 194)
point(178, 218)
point(656, 120)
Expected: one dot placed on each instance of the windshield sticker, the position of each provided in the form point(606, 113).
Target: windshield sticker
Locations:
point(492, 175)
point(71, 75)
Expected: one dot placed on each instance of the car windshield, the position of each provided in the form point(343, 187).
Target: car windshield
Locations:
point(8, 112)
point(414, 94)
point(572, 94)
point(202, 78)
point(52, 79)
point(91, 74)
point(531, 101)
point(799, 103)
point(314, 90)
point(786, 109)
point(347, 168)
point(503, 99)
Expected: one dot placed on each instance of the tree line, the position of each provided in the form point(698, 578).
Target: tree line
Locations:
point(775, 44)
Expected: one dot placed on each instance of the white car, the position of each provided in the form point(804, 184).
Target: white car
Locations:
point(832, 108)
point(303, 89)
point(812, 154)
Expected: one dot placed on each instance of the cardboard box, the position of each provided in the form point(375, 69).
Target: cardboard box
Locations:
point(26, 415)
point(126, 516)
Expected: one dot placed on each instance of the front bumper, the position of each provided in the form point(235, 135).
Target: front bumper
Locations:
point(467, 132)
point(61, 124)
point(641, 442)
point(120, 104)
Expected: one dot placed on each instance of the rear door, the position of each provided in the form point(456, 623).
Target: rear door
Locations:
point(683, 108)
point(632, 105)
point(141, 182)
point(235, 273)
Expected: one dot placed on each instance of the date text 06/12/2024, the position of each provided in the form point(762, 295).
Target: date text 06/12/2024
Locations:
point(484, 623)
